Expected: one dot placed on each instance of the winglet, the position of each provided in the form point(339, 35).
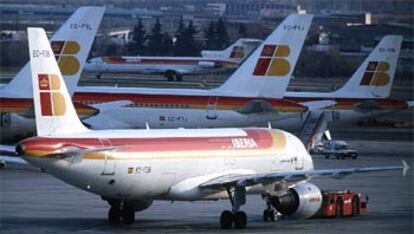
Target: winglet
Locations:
point(405, 168)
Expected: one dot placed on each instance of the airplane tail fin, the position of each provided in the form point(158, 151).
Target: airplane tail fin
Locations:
point(267, 71)
point(54, 110)
point(71, 45)
point(237, 51)
point(374, 78)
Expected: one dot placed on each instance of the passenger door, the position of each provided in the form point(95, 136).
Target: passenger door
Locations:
point(110, 162)
point(212, 108)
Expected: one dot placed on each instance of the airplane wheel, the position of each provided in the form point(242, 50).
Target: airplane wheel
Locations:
point(178, 77)
point(240, 220)
point(128, 215)
point(170, 75)
point(226, 219)
point(114, 215)
point(268, 215)
point(339, 208)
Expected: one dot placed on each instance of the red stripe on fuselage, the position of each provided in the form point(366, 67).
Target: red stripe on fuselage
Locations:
point(237, 102)
point(262, 138)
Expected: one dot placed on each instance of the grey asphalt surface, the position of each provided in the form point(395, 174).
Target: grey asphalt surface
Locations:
point(35, 202)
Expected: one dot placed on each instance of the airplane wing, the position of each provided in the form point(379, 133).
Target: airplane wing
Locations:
point(8, 155)
point(11, 159)
point(367, 106)
point(8, 150)
point(257, 106)
point(317, 105)
point(229, 181)
point(112, 105)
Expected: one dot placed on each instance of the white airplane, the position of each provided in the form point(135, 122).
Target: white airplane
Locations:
point(365, 95)
point(250, 97)
point(132, 168)
point(239, 102)
point(176, 67)
point(71, 45)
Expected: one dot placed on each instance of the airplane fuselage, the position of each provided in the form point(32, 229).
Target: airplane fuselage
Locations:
point(189, 110)
point(157, 65)
point(159, 111)
point(166, 164)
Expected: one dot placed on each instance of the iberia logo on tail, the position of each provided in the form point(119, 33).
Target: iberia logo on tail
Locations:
point(273, 61)
point(65, 53)
point(376, 74)
point(52, 101)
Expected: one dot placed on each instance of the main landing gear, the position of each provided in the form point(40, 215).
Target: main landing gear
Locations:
point(228, 218)
point(120, 212)
point(235, 217)
point(172, 75)
point(269, 214)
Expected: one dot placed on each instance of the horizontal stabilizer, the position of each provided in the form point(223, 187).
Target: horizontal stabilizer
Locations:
point(75, 151)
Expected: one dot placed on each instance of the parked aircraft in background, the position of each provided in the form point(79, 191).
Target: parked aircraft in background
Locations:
point(364, 96)
point(175, 67)
point(131, 168)
point(250, 97)
point(71, 45)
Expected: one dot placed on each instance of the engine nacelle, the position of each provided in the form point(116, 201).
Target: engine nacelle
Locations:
point(206, 64)
point(301, 201)
point(140, 205)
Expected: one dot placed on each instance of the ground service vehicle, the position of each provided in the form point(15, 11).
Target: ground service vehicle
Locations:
point(341, 203)
point(339, 149)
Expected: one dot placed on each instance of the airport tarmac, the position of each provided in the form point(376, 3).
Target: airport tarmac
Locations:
point(35, 202)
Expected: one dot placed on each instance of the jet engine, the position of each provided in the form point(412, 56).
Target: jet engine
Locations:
point(301, 201)
point(206, 64)
point(140, 205)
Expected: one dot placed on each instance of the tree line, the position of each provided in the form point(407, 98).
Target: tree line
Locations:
point(181, 43)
